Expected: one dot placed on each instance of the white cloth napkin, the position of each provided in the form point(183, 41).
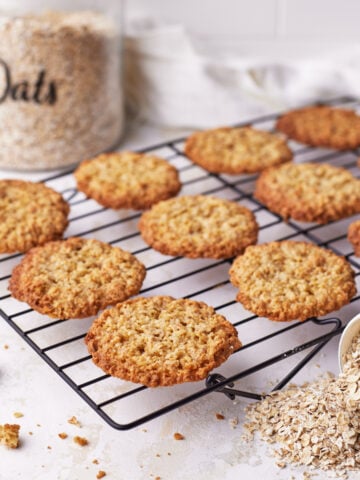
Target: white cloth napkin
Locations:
point(169, 83)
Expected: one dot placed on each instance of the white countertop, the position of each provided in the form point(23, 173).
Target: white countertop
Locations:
point(212, 448)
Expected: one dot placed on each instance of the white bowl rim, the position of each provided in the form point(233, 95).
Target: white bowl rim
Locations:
point(351, 329)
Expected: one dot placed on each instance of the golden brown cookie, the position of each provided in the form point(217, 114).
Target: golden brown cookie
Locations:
point(127, 180)
point(75, 278)
point(354, 236)
point(161, 341)
point(236, 150)
point(309, 192)
point(199, 227)
point(291, 280)
point(322, 126)
point(30, 214)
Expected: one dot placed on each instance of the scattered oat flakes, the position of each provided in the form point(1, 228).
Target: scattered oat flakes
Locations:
point(101, 474)
point(82, 441)
point(233, 422)
point(318, 424)
point(74, 421)
point(18, 414)
point(178, 436)
point(63, 435)
point(9, 435)
point(281, 464)
point(308, 476)
point(219, 416)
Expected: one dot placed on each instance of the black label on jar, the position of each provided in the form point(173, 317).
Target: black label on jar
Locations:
point(40, 91)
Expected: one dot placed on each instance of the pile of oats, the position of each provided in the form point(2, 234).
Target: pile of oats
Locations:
point(318, 424)
point(60, 88)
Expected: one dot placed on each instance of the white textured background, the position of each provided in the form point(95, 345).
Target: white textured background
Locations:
point(292, 27)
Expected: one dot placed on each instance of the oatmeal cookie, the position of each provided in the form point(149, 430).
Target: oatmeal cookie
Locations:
point(354, 236)
point(75, 278)
point(127, 180)
point(161, 341)
point(236, 150)
point(31, 214)
point(291, 280)
point(322, 126)
point(309, 192)
point(199, 227)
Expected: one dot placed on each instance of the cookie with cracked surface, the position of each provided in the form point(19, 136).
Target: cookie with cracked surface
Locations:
point(161, 341)
point(309, 192)
point(291, 280)
point(199, 226)
point(354, 236)
point(322, 126)
point(31, 214)
point(127, 180)
point(236, 150)
point(75, 278)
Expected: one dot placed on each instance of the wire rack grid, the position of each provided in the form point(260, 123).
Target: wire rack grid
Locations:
point(124, 405)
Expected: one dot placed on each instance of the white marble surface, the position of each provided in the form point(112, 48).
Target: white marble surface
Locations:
point(211, 448)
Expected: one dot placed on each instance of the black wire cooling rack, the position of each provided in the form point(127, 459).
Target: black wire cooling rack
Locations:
point(266, 344)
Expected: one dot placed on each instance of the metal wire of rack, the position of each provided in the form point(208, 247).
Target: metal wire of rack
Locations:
point(124, 405)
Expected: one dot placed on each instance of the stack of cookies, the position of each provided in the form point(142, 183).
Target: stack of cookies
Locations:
point(162, 341)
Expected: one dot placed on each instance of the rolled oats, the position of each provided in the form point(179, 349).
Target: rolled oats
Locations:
point(318, 424)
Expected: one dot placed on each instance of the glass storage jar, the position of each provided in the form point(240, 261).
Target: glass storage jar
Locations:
point(60, 81)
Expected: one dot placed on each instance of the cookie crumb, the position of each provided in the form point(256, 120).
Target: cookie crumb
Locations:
point(74, 421)
point(49, 447)
point(62, 435)
point(9, 435)
point(219, 416)
point(6, 347)
point(82, 441)
point(101, 474)
point(281, 464)
point(96, 461)
point(158, 455)
point(179, 436)
point(30, 433)
point(18, 414)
